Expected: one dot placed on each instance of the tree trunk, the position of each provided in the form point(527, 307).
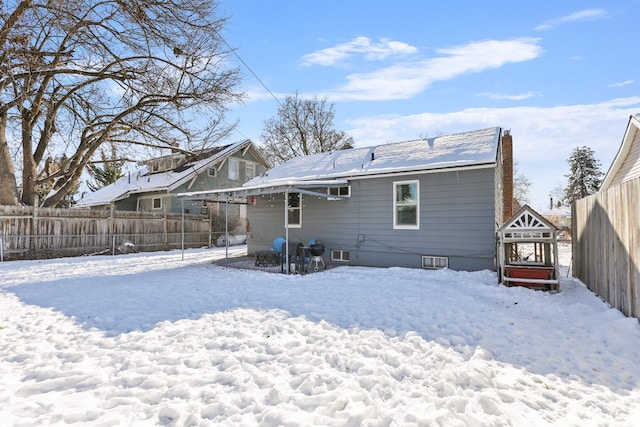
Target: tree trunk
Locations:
point(28, 164)
point(8, 187)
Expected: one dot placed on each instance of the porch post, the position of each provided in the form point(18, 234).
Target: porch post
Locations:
point(226, 231)
point(286, 227)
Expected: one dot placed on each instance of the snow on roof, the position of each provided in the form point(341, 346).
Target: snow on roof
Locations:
point(141, 181)
point(462, 149)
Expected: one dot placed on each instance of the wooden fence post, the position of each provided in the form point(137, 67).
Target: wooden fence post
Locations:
point(165, 227)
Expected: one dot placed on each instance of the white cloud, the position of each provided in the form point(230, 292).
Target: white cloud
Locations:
point(359, 46)
point(581, 16)
point(621, 84)
point(515, 97)
point(543, 136)
point(405, 80)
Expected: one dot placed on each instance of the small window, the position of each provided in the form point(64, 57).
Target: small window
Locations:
point(233, 169)
point(344, 191)
point(295, 210)
point(340, 255)
point(406, 205)
point(155, 167)
point(435, 262)
point(157, 203)
point(211, 171)
point(251, 171)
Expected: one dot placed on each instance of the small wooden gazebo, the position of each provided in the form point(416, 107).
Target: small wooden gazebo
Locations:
point(528, 251)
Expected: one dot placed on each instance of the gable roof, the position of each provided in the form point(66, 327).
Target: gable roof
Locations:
point(527, 220)
point(458, 150)
point(626, 164)
point(144, 182)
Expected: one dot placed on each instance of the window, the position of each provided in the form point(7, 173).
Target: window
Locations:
point(251, 171)
point(211, 171)
point(233, 169)
point(155, 167)
point(344, 191)
point(435, 262)
point(340, 255)
point(406, 212)
point(156, 203)
point(295, 209)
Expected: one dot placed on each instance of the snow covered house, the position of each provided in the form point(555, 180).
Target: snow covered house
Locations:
point(427, 203)
point(155, 185)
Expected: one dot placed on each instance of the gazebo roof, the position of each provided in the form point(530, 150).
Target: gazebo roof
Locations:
point(527, 224)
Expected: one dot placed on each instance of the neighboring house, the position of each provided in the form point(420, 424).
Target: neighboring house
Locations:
point(626, 164)
point(429, 203)
point(560, 216)
point(155, 185)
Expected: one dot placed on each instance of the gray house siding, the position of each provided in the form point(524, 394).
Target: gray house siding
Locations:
point(457, 220)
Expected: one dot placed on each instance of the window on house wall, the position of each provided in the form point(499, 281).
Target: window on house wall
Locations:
point(294, 205)
point(156, 203)
point(155, 166)
point(406, 205)
point(340, 255)
point(233, 169)
point(251, 171)
point(211, 171)
point(434, 262)
point(344, 191)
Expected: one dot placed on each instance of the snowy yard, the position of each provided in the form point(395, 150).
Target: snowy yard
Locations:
point(150, 339)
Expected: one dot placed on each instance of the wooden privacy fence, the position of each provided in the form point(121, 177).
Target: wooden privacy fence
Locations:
point(35, 233)
point(606, 245)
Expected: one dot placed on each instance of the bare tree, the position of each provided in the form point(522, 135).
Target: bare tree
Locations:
point(521, 186)
point(76, 74)
point(302, 126)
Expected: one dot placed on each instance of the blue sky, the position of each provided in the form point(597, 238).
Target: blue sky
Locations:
point(558, 74)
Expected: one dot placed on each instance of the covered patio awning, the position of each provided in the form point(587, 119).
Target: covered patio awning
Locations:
point(239, 195)
point(274, 187)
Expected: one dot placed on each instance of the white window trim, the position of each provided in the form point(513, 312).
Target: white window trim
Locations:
point(348, 187)
point(432, 264)
point(299, 208)
point(397, 226)
point(253, 167)
point(153, 207)
point(212, 171)
point(235, 168)
point(341, 252)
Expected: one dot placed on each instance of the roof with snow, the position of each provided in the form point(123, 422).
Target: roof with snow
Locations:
point(463, 149)
point(142, 181)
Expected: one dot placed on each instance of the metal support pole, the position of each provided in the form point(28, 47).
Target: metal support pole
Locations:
point(286, 228)
point(226, 232)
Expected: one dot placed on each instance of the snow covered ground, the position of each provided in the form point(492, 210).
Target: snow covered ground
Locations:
point(151, 339)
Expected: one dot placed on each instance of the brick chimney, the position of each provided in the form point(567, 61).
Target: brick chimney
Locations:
point(507, 175)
